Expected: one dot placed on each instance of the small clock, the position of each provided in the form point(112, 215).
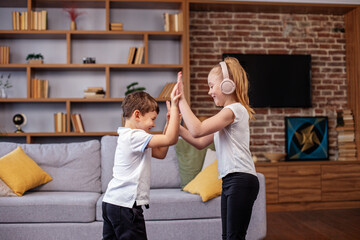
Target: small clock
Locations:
point(19, 120)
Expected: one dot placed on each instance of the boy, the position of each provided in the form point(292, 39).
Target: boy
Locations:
point(129, 188)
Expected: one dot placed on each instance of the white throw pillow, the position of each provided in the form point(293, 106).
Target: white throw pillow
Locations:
point(210, 157)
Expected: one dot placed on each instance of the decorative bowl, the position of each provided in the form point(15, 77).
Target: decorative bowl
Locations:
point(275, 156)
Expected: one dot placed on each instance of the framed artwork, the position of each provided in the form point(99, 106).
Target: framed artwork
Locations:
point(306, 138)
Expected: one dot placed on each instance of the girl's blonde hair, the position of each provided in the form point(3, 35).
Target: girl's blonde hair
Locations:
point(238, 75)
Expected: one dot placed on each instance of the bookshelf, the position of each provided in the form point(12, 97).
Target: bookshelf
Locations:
point(165, 53)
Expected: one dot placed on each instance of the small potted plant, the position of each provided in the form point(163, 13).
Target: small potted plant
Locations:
point(131, 88)
point(33, 58)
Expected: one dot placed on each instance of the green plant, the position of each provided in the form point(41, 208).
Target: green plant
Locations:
point(131, 88)
point(34, 56)
point(6, 84)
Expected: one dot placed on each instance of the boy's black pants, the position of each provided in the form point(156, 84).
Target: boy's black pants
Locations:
point(239, 192)
point(122, 223)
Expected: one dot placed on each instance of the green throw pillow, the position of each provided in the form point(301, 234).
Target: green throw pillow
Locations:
point(190, 160)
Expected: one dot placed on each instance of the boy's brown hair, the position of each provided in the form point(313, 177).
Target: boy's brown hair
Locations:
point(141, 101)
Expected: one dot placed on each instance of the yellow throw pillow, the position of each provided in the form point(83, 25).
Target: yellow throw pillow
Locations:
point(206, 183)
point(20, 172)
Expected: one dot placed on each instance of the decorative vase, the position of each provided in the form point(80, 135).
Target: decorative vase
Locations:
point(73, 25)
point(3, 93)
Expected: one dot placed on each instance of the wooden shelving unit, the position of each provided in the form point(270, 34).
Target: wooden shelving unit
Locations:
point(108, 70)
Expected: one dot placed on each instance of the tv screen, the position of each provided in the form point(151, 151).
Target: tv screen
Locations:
point(277, 80)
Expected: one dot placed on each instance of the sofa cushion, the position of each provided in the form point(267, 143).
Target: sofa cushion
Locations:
point(20, 172)
point(190, 160)
point(164, 172)
point(207, 183)
point(73, 166)
point(171, 204)
point(49, 207)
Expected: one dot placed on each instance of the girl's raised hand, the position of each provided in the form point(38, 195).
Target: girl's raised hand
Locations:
point(176, 94)
point(181, 84)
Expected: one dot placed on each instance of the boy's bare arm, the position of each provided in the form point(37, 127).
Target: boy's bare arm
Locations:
point(160, 152)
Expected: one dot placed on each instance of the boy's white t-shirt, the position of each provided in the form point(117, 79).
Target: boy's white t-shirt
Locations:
point(131, 172)
point(232, 144)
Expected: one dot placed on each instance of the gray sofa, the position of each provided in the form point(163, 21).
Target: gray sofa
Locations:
point(69, 207)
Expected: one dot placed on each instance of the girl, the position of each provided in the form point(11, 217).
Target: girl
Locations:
point(229, 130)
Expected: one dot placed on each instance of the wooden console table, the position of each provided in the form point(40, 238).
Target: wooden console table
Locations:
point(311, 185)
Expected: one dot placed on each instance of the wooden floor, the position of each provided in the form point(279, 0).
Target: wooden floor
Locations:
point(338, 224)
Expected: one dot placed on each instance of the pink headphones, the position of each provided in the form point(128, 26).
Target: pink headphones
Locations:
point(227, 85)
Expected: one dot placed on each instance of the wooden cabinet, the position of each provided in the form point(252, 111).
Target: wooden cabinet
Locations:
point(341, 182)
point(299, 183)
point(271, 182)
point(311, 185)
point(165, 54)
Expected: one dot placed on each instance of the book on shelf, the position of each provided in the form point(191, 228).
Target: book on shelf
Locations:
point(173, 22)
point(346, 158)
point(347, 149)
point(77, 123)
point(347, 145)
point(40, 88)
point(166, 91)
point(346, 136)
point(131, 55)
point(60, 122)
point(135, 55)
point(139, 55)
point(94, 92)
point(116, 26)
point(4, 54)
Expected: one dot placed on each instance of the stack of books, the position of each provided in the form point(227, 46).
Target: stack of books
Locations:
point(94, 92)
point(60, 122)
point(135, 55)
point(116, 26)
point(20, 20)
point(346, 136)
point(173, 22)
point(77, 123)
point(166, 92)
point(38, 20)
point(4, 55)
point(40, 88)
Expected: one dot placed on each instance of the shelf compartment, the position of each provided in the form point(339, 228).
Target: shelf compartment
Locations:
point(40, 115)
point(151, 12)
point(20, 48)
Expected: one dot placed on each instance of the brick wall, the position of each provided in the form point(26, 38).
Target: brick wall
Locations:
point(214, 33)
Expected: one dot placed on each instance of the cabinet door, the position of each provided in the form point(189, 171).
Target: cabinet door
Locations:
point(341, 182)
point(271, 182)
point(299, 183)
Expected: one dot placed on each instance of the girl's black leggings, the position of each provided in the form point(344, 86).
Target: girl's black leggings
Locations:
point(239, 192)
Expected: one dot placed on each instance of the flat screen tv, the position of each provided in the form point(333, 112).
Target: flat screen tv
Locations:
point(277, 80)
